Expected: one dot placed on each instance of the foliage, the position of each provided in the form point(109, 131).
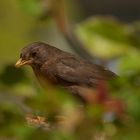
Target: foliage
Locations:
point(113, 37)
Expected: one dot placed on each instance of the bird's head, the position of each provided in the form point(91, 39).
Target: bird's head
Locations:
point(33, 54)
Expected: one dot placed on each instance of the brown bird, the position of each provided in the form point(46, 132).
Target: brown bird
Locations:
point(62, 68)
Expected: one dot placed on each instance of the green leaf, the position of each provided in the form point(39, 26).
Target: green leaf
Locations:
point(32, 7)
point(105, 38)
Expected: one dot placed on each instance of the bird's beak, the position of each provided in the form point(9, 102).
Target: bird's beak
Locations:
point(22, 62)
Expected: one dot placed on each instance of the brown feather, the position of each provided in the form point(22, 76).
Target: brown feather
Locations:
point(64, 69)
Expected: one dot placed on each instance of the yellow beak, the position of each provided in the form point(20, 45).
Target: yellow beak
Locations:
point(22, 62)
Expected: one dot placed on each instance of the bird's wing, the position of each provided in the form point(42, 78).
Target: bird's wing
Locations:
point(78, 72)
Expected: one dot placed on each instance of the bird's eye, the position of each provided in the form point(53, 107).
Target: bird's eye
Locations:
point(33, 54)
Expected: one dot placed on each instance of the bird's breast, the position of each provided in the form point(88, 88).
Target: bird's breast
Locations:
point(44, 77)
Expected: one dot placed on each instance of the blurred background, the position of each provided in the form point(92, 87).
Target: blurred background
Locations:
point(105, 32)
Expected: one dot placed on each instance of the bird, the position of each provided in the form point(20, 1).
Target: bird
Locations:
point(63, 69)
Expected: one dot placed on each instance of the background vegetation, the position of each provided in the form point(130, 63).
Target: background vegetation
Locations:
point(29, 112)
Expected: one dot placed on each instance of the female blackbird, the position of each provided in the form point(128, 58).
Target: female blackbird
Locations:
point(62, 68)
